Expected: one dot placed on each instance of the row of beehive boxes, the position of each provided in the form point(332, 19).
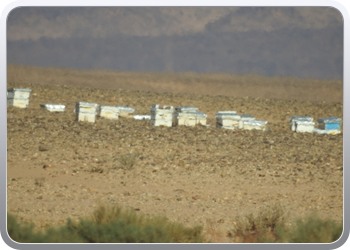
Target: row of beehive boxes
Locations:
point(329, 125)
point(85, 111)
point(88, 111)
point(166, 115)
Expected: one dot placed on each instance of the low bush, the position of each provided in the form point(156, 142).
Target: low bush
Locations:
point(261, 226)
point(118, 225)
point(109, 225)
point(315, 230)
point(268, 226)
point(26, 234)
point(127, 161)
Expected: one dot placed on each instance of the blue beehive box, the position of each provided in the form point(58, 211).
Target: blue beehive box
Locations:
point(330, 123)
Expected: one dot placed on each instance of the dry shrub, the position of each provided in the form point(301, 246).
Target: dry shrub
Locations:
point(106, 214)
point(39, 181)
point(127, 161)
point(261, 226)
point(97, 169)
point(268, 226)
point(176, 232)
point(213, 234)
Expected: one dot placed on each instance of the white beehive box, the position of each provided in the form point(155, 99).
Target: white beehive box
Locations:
point(186, 119)
point(162, 115)
point(125, 111)
point(109, 112)
point(190, 118)
point(294, 119)
point(330, 123)
point(18, 97)
point(326, 131)
point(86, 111)
point(86, 117)
point(253, 124)
point(231, 128)
point(86, 107)
point(16, 93)
point(53, 107)
point(142, 117)
point(158, 122)
point(227, 119)
point(186, 109)
point(245, 117)
point(163, 112)
point(201, 118)
point(19, 103)
point(304, 126)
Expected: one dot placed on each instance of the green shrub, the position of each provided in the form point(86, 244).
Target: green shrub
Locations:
point(17, 232)
point(109, 225)
point(26, 233)
point(315, 230)
point(118, 232)
point(268, 226)
point(310, 230)
point(176, 231)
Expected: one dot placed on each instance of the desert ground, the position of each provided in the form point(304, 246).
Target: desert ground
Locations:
point(58, 167)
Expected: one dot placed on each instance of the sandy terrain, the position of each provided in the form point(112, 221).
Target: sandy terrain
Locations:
point(59, 168)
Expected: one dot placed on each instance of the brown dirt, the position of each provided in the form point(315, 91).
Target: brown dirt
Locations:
point(194, 175)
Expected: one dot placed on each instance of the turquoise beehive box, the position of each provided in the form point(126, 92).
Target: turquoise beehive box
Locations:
point(330, 123)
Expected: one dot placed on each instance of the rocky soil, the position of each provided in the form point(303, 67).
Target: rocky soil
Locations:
point(59, 168)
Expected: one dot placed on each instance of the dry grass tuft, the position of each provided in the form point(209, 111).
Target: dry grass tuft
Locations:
point(96, 169)
point(127, 161)
point(39, 181)
point(254, 227)
point(213, 234)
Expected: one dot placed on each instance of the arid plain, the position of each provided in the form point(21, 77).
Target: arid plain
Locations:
point(59, 168)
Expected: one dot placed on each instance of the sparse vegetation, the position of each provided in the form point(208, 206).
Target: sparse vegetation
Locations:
point(127, 161)
point(96, 169)
point(250, 227)
point(118, 225)
point(269, 226)
point(109, 225)
point(39, 181)
point(313, 229)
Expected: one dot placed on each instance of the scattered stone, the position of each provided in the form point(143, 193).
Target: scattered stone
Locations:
point(43, 148)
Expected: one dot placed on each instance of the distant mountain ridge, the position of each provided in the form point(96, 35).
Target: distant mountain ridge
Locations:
point(299, 42)
point(33, 23)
